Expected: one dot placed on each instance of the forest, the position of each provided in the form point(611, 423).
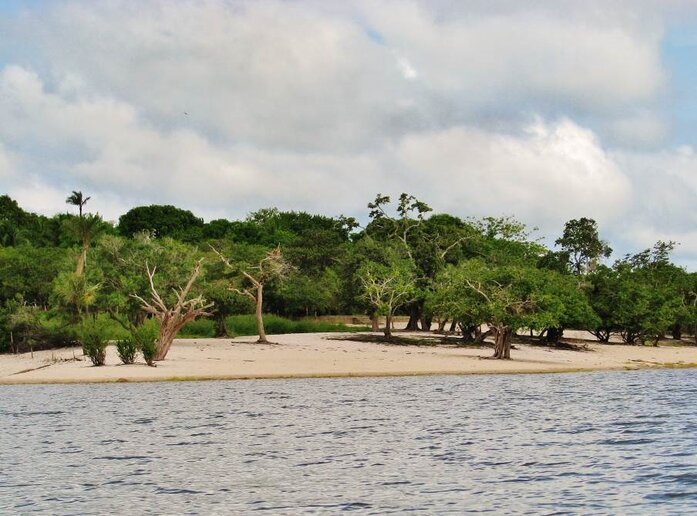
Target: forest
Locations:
point(161, 271)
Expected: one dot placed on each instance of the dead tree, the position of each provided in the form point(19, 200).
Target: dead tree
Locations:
point(271, 266)
point(173, 318)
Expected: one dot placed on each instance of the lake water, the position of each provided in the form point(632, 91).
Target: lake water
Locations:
point(584, 442)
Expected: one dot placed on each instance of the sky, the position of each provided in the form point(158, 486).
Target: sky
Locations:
point(546, 110)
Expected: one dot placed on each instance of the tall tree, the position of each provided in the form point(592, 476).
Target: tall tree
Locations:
point(85, 229)
point(77, 199)
point(162, 221)
point(580, 240)
point(428, 242)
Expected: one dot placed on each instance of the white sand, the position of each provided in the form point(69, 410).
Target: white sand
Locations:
point(313, 355)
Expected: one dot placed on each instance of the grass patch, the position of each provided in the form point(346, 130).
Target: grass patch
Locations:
point(244, 325)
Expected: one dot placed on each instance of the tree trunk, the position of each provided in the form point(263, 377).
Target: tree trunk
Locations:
point(426, 322)
point(221, 329)
point(469, 333)
point(81, 261)
point(502, 348)
point(453, 326)
point(676, 331)
point(414, 316)
point(441, 325)
point(374, 324)
point(388, 326)
point(554, 335)
point(260, 319)
point(164, 341)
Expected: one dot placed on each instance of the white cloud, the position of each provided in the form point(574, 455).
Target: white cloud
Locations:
point(6, 165)
point(498, 56)
point(664, 203)
point(553, 173)
point(223, 107)
point(643, 129)
point(290, 75)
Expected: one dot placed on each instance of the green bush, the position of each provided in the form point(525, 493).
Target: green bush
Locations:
point(274, 325)
point(127, 349)
point(199, 328)
point(94, 337)
point(144, 337)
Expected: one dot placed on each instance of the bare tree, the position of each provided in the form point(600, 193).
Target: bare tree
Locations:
point(173, 318)
point(271, 266)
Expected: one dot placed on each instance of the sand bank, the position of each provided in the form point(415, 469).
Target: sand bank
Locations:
point(316, 355)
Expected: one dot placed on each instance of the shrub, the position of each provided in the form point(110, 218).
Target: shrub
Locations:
point(94, 337)
point(127, 349)
point(144, 337)
point(198, 328)
point(149, 349)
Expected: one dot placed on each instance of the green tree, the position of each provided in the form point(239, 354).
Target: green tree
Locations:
point(582, 244)
point(120, 269)
point(640, 297)
point(85, 229)
point(388, 286)
point(29, 272)
point(505, 298)
point(162, 221)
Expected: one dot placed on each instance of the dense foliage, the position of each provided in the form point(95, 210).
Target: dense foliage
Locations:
point(62, 274)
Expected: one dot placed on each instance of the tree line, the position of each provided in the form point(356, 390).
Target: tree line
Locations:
point(487, 277)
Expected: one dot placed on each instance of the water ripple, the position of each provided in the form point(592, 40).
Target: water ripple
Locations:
point(547, 444)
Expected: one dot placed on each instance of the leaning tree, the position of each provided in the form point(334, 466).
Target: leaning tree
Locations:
point(173, 317)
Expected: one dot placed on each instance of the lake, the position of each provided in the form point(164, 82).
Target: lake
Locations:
point(556, 443)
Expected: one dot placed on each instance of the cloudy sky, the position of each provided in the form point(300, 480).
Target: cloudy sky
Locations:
point(477, 107)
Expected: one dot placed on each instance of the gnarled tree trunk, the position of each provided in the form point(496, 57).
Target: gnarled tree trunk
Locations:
point(502, 347)
point(426, 322)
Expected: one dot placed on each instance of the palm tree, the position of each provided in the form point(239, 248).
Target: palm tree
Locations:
point(85, 229)
point(76, 199)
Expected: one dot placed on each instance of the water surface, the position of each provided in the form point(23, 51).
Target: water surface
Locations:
point(583, 442)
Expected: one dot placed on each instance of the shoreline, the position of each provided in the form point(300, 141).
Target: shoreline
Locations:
point(305, 356)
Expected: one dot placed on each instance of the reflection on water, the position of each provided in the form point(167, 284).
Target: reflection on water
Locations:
point(598, 442)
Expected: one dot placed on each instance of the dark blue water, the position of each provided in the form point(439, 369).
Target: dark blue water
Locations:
point(576, 443)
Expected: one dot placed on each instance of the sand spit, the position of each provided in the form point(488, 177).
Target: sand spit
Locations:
point(317, 355)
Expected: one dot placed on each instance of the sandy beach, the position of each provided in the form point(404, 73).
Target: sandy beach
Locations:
point(319, 355)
